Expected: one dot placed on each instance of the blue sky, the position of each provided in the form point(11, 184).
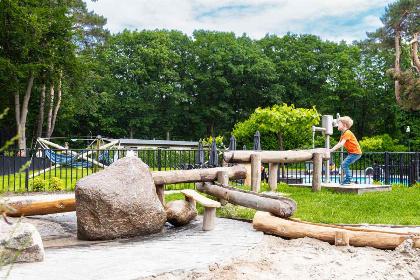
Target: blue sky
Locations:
point(333, 20)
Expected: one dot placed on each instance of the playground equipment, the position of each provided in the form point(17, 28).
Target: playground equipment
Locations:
point(276, 157)
point(327, 129)
point(338, 235)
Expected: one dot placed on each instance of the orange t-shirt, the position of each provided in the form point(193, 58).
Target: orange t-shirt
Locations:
point(351, 144)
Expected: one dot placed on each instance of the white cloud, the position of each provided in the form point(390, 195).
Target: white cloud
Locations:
point(254, 17)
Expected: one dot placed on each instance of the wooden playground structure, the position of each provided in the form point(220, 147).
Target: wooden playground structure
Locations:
point(273, 215)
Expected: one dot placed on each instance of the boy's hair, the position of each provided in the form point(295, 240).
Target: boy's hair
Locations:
point(346, 120)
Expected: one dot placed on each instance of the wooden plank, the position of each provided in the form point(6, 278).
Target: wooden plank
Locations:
point(275, 156)
point(281, 206)
point(197, 175)
point(289, 228)
point(200, 198)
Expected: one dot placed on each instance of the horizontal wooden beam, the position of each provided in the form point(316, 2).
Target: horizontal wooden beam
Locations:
point(275, 156)
point(197, 175)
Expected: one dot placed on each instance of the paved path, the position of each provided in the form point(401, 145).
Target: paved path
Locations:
point(174, 249)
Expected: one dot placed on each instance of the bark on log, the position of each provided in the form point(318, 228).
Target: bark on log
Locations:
point(275, 156)
point(197, 175)
point(290, 228)
point(28, 208)
point(280, 206)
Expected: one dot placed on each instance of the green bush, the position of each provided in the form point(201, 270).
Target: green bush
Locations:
point(56, 184)
point(381, 143)
point(38, 184)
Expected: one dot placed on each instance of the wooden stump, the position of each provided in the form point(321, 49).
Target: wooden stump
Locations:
point(317, 172)
point(255, 172)
point(209, 218)
point(272, 175)
point(160, 191)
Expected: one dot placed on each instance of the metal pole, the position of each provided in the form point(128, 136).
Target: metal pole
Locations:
point(327, 163)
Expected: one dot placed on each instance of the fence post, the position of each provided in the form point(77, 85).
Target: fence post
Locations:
point(401, 168)
point(159, 159)
point(416, 167)
point(386, 168)
point(27, 171)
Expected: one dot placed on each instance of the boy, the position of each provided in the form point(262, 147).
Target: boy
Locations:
point(349, 141)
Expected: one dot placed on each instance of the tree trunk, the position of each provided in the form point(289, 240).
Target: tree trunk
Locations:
point(415, 51)
point(41, 110)
point(50, 112)
point(280, 138)
point(57, 106)
point(131, 133)
point(167, 135)
point(397, 65)
point(21, 115)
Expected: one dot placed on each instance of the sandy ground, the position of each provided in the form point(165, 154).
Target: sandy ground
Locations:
point(307, 258)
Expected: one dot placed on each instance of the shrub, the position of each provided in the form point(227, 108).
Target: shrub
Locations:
point(38, 184)
point(56, 184)
point(381, 143)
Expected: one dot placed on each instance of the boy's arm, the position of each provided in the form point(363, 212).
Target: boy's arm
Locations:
point(339, 145)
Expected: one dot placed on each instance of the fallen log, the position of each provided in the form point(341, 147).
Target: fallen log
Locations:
point(280, 206)
point(290, 228)
point(31, 207)
point(275, 156)
point(197, 175)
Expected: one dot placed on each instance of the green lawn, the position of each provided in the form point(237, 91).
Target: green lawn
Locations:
point(401, 206)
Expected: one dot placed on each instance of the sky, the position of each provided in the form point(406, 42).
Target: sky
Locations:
point(333, 20)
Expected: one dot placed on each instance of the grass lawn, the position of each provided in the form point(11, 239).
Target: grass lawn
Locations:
point(401, 206)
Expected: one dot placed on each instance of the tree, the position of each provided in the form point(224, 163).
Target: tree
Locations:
point(402, 24)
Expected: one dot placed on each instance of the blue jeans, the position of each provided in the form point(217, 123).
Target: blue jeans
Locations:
point(349, 160)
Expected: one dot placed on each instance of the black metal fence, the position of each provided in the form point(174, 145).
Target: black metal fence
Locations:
point(60, 169)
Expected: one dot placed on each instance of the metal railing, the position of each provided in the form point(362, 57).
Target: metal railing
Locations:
point(42, 173)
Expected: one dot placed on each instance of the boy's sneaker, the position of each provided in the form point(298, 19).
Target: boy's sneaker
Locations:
point(345, 182)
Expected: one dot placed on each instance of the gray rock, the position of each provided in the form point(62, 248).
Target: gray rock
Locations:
point(180, 212)
point(119, 201)
point(20, 236)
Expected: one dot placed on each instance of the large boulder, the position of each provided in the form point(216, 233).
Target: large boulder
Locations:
point(180, 212)
point(23, 237)
point(119, 201)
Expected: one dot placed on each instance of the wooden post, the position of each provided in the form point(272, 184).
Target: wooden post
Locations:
point(247, 181)
point(342, 238)
point(317, 172)
point(223, 178)
point(98, 145)
point(191, 201)
point(209, 218)
point(272, 175)
point(160, 191)
point(255, 172)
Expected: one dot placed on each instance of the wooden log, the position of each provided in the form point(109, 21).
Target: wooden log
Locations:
point(247, 181)
point(272, 175)
point(223, 179)
point(341, 238)
point(28, 208)
point(209, 218)
point(255, 172)
point(317, 172)
point(275, 156)
point(290, 228)
point(197, 175)
point(160, 191)
point(281, 206)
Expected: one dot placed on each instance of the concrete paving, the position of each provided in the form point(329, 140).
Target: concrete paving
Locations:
point(352, 188)
point(173, 250)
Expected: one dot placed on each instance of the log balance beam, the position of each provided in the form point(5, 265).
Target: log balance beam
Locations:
point(209, 217)
point(256, 158)
point(28, 208)
point(338, 235)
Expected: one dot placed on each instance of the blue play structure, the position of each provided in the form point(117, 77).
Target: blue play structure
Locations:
point(76, 160)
